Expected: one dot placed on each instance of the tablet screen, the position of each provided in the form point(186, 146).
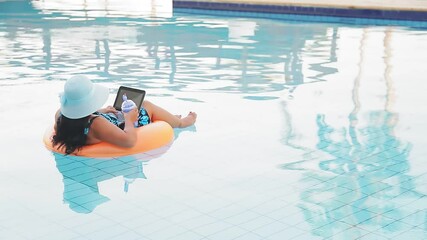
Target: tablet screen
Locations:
point(136, 95)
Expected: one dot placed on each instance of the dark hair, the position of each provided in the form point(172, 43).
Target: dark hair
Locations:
point(70, 133)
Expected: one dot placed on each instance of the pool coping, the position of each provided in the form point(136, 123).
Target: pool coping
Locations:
point(274, 7)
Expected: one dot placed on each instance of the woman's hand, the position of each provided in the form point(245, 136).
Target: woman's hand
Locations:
point(131, 116)
point(109, 109)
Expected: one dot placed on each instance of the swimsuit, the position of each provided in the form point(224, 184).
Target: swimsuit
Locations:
point(143, 119)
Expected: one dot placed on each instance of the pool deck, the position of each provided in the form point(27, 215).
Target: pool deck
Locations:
point(379, 9)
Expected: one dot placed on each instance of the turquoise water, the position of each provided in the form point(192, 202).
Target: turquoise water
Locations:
point(305, 130)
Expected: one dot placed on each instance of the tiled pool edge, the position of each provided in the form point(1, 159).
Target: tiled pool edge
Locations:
point(405, 15)
point(306, 18)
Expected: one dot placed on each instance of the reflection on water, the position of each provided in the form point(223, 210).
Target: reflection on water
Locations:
point(104, 55)
point(364, 183)
point(379, 165)
point(356, 177)
point(81, 177)
point(357, 180)
point(175, 52)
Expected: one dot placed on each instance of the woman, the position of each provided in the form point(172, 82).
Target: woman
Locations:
point(80, 121)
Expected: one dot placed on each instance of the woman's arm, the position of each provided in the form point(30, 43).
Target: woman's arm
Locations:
point(104, 131)
point(109, 109)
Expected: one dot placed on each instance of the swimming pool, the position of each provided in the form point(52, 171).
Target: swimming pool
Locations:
point(305, 130)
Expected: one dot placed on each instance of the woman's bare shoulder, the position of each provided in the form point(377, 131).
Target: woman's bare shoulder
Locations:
point(102, 129)
point(105, 131)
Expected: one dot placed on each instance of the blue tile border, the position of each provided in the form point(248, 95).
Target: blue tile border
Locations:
point(301, 10)
point(306, 18)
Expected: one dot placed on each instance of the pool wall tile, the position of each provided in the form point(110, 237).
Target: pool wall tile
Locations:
point(305, 18)
point(304, 10)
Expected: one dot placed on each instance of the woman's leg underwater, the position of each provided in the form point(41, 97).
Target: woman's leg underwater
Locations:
point(157, 113)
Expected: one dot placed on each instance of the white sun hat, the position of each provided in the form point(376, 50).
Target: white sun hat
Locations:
point(81, 97)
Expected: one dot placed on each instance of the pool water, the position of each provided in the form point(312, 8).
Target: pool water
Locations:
point(305, 130)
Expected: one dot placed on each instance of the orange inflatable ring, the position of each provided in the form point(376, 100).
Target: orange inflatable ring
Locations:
point(151, 136)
